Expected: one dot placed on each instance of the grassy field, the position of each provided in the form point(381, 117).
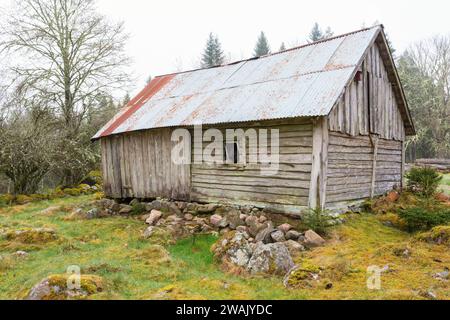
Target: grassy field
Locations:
point(445, 184)
point(134, 269)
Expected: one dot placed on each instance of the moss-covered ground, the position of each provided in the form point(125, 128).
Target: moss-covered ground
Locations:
point(132, 268)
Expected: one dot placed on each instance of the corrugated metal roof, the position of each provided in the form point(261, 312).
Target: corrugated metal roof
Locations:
point(300, 82)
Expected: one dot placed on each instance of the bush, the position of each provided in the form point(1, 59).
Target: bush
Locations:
point(423, 181)
point(318, 220)
point(138, 209)
point(93, 178)
point(422, 219)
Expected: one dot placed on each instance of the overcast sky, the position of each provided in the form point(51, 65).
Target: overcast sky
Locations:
point(168, 35)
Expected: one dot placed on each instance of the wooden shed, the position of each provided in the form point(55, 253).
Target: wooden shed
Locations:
point(337, 104)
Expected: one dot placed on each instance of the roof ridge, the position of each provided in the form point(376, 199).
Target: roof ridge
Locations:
point(279, 52)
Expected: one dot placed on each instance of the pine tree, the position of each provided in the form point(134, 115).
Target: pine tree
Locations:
point(328, 33)
point(213, 54)
point(262, 47)
point(317, 34)
point(282, 47)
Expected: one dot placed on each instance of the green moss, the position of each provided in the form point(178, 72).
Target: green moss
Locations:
point(31, 236)
point(438, 235)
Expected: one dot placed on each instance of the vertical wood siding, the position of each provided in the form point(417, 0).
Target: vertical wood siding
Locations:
point(351, 115)
point(139, 165)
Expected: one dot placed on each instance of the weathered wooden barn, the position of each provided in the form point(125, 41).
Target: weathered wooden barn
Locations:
point(338, 104)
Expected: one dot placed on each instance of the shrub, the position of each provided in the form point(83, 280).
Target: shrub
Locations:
point(423, 181)
point(93, 178)
point(422, 219)
point(138, 209)
point(318, 220)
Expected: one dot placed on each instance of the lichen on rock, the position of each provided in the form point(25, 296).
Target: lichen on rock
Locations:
point(55, 287)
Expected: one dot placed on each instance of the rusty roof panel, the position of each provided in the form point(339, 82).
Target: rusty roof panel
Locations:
point(301, 82)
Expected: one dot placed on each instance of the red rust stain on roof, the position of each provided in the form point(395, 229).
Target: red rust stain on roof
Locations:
point(137, 102)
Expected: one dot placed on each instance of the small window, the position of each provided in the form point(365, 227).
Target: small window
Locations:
point(231, 153)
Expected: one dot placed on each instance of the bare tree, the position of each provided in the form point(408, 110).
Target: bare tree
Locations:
point(70, 56)
point(425, 72)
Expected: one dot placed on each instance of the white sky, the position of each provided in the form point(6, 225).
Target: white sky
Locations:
point(168, 35)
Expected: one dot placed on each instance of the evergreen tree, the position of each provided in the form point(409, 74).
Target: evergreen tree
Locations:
point(328, 33)
point(213, 54)
point(317, 34)
point(282, 47)
point(262, 47)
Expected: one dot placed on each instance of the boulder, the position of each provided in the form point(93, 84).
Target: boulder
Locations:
point(294, 247)
point(215, 220)
point(173, 208)
point(234, 219)
point(393, 196)
point(188, 217)
point(207, 208)
point(254, 225)
point(20, 254)
point(125, 209)
point(293, 235)
point(92, 214)
point(134, 202)
point(265, 235)
point(312, 239)
point(286, 227)
point(154, 217)
point(271, 258)
point(233, 249)
point(243, 216)
point(278, 236)
point(242, 229)
point(62, 287)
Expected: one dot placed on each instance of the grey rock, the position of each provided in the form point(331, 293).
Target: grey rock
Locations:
point(125, 209)
point(293, 235)
point(294, 247)
point(234, 220)
point(92, 214)
point(156, 204)
point(20, 254)
point(242, 229)
point(235, 250)
point(265, 235)
point(173, 208)
point(207, 208)
point(271, 258)
point(278, 236)
point(134, 202)
point(312, 239)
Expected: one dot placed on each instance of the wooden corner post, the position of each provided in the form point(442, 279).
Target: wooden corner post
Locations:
point(374, 140)
point(317, 191)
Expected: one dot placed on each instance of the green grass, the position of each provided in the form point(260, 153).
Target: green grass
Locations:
point(113, 248)
point(445, 184)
